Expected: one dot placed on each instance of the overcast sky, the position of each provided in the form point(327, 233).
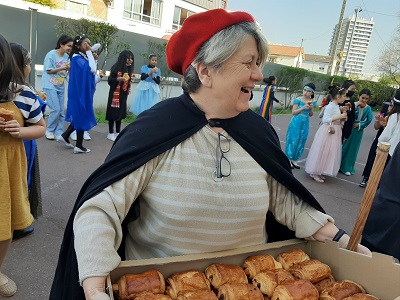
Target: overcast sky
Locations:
point(288, 21)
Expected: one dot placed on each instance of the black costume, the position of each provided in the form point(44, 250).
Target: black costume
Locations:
point(381, 232)
point(351, 116)
point(155, 131)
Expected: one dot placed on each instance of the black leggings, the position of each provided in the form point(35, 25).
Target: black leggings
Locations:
point(111, 126)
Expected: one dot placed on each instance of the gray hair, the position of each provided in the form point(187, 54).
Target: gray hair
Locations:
point(220, 47)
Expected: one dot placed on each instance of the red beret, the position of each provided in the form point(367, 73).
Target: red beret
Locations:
point(183, 46)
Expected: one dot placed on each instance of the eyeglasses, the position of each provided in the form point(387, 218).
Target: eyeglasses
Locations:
point(222, 164)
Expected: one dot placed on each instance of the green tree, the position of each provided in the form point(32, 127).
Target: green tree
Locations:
point(98, 31)
point(389, 62)
point(379, 92)
point(48, 3)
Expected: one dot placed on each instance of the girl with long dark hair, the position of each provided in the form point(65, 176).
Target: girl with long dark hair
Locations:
point(56, 66)
point(391, 133)
point(148, 90)
point(325, 152)
point(20, 118)
point(120, 86)
point(81, 88)
point(379, 125)
point(351, 146)
point(266, 105)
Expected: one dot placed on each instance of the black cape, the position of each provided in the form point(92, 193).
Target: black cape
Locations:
point(382, 230)
point(155, 131)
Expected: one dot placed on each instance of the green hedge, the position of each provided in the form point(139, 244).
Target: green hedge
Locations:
point(295, 78)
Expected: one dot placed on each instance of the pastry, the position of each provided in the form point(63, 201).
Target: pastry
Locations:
point(149, 296)
point(42, 95)
point(219, 274)
point(186, 282)
point(324, 283)
point(257, 263)
point(289, 258)
point(131, 285)
point(340, 290)
point(296, 290)
point(126, 76)
point(361, 297)
point(198, 295)
point(8, 115)
point(239, 291)
point(312, 270)
point(267, 281)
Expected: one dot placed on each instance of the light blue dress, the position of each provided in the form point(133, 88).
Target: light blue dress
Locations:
point(297, 133)
point(147, 93)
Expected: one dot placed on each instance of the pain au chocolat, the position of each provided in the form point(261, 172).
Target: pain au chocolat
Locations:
point(186, 281)
point(6, 114)
point(296, 290)
point(341, 289)
point(198, 295)
point(239, 291)
point(258, 263)
point(131, 285)
point(312, 270)
point(148, 296)
point(289, 258)
point(267, 281)
point(219, 274)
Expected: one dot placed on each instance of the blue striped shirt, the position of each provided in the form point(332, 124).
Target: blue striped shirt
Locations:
point(29, 105)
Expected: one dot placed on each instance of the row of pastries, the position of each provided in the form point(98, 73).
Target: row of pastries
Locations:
point(291, 276)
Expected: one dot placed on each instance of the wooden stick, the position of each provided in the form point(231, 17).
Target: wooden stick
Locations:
point(376, 173)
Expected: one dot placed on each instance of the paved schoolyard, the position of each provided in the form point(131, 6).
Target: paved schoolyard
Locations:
point(32, 260)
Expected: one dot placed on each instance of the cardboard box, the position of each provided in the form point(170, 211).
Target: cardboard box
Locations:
point(379, 274)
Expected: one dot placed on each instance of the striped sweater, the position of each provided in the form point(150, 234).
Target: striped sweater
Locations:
point(183, 210)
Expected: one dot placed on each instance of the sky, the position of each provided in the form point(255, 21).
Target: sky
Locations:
point(287, 22)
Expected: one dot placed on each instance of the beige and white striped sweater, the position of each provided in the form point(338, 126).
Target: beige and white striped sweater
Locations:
point(183, 210)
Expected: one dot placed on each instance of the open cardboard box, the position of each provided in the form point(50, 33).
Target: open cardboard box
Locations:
point(379, 274)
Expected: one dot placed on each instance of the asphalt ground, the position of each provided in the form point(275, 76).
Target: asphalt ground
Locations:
point(31, 261)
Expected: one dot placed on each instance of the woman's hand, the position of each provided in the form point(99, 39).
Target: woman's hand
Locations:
point(344, 109)
point(121, 79)
point(328, 232)
point(97, 295)
point(94, 288)
point(344, 241)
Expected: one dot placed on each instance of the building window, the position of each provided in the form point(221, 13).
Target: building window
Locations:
point(180, 15)
point(148, 11)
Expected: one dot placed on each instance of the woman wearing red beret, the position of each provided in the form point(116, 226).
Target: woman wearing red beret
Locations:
point(197, 173)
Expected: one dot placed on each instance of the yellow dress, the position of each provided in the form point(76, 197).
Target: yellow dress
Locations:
point(14, 205)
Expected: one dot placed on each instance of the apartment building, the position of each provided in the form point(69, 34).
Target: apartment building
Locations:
point(154, 18)
point(353, 42)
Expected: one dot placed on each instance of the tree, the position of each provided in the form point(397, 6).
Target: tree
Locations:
point(389, 62)
point(48, 3)
point(98, 31)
